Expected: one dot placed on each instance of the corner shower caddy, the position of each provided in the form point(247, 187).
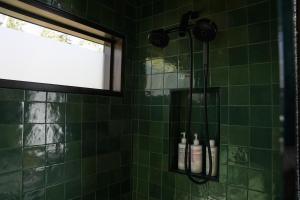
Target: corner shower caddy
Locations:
point(178, 109)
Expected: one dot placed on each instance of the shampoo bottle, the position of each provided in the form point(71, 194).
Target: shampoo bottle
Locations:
point(214, 156)
point(196, 156)
point(181, 152)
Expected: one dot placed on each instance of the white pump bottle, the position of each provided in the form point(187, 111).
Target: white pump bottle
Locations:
point(196, 156)
point(181, 152)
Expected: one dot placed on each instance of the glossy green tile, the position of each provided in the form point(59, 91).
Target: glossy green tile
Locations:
point(74, 98)
point(155, 160)
point(239, 135)
point(10, 159)
point(261, 116)
point(258, 195)
point(55, 113)
point(237, 17)
point(73, 189)
point(89, 165)
point(238, 55)
point(239, 115)
point(260, 73)
point(260, 180)
point(219, 77)
point(34, 156)
point(239, 75)
point(261, 95)
point(238, 176)
point(235, 193)
point(73, 132)
point(11, 112)
point(73, 113)
point(55, 174)
point(11, 136)
point(11, 94)
point(222, 40)
point(72, 151)
point(239, 95)
point(54, 153)
point(259, 12)
point(233, 4)
point(88, 112)
point(10, 185)
point(155, 176)
point(34, 134)
point(33, 179)
point(238, 36)
point(34, 195)
point(259, 53)
point(55, 192)
point(261, 159)
point(259, 32)
point(219, 58)
point(72, 170)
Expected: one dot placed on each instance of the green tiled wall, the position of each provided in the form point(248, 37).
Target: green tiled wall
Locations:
point(69, 146)
point(244, 64)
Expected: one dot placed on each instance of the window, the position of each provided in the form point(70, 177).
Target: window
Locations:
point(46, 49)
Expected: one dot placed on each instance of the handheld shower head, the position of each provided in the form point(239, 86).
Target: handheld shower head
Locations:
point(159, 38)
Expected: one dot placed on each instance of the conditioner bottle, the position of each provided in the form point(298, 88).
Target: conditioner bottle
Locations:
point(214, 156)
point(196, 156)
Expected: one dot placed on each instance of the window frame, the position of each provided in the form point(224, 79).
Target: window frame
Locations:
point(116, 40)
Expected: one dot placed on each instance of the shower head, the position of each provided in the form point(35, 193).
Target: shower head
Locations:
point(205, 30)
point(159, 38)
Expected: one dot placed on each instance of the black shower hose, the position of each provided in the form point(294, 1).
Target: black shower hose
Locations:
point(187, 158)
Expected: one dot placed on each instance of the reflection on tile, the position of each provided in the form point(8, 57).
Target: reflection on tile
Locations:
point(35, 95)
point(55, 153)
point(55, 174)
point(35, 112)
point(10, 159)
point(34, 195)
point(238, 155)
point(10, 185)
point(56, 97)
point(55, 133)
point(34, 156)
point(34, 134)
point(55, 113)
point(33, 179)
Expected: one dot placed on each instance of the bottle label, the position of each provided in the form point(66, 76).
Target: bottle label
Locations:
point(196, 155)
